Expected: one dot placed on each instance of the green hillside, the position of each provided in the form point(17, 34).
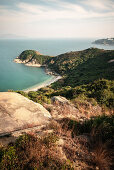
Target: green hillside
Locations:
point(84, 66)
point(30, 55)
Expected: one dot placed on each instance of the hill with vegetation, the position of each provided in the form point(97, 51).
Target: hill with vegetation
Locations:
point(86, 74)
point(82, 67)
point(107, 41)
point(31, 55)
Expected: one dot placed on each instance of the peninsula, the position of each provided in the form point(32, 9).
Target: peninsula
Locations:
point(107, 41)
point(33, 58)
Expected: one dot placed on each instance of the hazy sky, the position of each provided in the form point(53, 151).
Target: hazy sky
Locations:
point(57, 18)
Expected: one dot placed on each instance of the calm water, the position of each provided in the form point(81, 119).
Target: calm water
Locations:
point(18, 76)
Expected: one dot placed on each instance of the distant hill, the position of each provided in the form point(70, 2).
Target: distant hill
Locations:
point(107, 41)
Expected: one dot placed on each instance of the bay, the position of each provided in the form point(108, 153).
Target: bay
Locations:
point(18, 76)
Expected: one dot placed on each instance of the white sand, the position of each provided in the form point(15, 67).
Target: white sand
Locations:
point(46, 83)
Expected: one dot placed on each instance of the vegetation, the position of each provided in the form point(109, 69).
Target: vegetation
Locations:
point(87, 76)
point(77, 68)
point(30, 152)
point(102, 127)
point(99, 131)
point(99, 91)
point(30, 55)
point(83, 67)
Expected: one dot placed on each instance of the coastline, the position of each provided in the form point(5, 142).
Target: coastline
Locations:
point(46, 83)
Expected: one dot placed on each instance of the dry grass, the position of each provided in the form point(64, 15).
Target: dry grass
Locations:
point(102, 157)
point(39, 153)
point(102, 151)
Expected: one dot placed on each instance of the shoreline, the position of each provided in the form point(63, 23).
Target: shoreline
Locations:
point(44, 84)
point(48, 71)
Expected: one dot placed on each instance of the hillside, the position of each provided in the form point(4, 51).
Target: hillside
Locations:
point(57, 142)
point(31, 56)
point(78, 67)
point(107, 41)
point(82, 67)
point(86, 74)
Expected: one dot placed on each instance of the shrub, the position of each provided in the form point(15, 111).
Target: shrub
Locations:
point(102, 125)
point(30, 152)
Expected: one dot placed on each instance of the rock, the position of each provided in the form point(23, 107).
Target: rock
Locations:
point(60, 100)
point(18, 112)
point(63, 108)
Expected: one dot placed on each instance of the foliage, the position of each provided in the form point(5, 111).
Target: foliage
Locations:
point(87, 74)
point(99, 91)
point(30, 55)
point(30, 152)
point(103, 126)
point(82, 67)
point(9, 159)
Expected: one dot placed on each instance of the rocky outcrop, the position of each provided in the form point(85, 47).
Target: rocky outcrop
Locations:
point(60, 100)
point(18, 112)
point(32, 58)
point(32, 63)
point(60, 107)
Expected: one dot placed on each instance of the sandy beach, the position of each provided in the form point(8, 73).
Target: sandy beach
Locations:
point(54, 78)
point(44, 84)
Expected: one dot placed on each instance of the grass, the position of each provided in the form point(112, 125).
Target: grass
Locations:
point(29, 152)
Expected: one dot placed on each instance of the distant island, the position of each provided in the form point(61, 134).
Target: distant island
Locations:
point(107, 41)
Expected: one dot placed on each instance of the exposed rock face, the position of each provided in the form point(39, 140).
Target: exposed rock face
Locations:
point(18, 112)
point(27, 62)
point(60, 107)
point(60, 99)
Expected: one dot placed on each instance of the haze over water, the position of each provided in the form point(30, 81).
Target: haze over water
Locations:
point(18, 76)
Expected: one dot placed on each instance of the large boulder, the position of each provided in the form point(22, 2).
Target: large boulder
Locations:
point(18, 112)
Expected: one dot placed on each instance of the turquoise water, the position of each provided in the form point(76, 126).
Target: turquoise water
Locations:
point(18, 76)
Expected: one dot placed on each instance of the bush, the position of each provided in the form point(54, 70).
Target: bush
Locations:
point(30, 152)
point(103, 126)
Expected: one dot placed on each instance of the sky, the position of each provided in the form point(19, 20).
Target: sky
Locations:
point(57, 18)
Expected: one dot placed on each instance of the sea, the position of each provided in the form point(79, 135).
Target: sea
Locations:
point(14, 76)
